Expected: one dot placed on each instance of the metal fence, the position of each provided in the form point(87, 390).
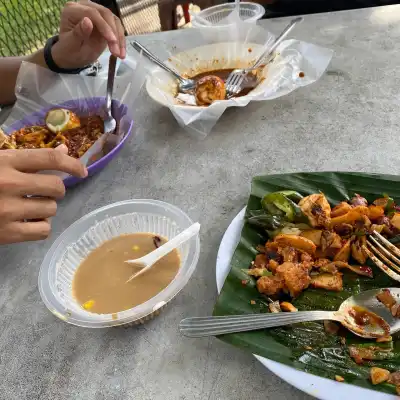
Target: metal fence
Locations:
point(25, 25)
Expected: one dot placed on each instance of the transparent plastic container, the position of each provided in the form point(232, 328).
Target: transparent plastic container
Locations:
point(75, 243)
point(248, 12)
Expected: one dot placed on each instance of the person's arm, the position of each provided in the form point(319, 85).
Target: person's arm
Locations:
point(9, 68)
point(86, 28)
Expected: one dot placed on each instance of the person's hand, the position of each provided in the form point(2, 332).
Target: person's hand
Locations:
point(86, 28)
point(25, 218)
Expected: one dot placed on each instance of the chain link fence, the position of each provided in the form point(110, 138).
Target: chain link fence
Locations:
point(25, 25)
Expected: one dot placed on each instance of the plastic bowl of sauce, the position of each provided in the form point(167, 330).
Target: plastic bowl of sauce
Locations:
point(82, 279)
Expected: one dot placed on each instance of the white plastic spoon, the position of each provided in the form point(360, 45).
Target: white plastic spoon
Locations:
point(147, 261)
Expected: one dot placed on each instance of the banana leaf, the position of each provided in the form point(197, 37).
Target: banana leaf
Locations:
point(306, 346)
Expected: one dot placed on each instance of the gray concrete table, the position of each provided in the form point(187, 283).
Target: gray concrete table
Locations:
point(349, 120)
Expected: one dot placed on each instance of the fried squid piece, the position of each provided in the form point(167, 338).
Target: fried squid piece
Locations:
point(317, 209)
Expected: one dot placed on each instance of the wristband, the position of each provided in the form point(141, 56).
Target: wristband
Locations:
point(48, 58)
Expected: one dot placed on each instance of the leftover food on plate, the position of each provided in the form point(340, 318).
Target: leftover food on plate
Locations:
point(100, 282)
point(60, 126)
point(312, 245)
point(363, 321)
point(388, 300)
point(282, 211)
point(210, 87)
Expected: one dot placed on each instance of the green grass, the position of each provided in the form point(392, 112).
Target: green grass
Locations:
point(25, 25)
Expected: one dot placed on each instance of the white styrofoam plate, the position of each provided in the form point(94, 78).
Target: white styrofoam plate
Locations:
point(322, 388)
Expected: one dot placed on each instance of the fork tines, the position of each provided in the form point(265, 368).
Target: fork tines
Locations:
point(233, 84)
point(384, 254)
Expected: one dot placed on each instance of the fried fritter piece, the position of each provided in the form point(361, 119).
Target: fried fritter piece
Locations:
point(355, 214)
point(333, 282)
point(320, 262)
point(288, 307)
point(297, 242)
point(386, 298)
point(379, 375)
point(289, 254)
point(340, 209)
point(260, 261)
point(331, 243)
point(209, 88)
point(317, 209)
point(344, 253)
point(270, 285)
point(295, 276)
point(312, 234)
point(272, 265)
point(357, 250)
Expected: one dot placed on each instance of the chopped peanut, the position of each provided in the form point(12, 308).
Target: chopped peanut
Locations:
point(339, 378)
point(252, 302)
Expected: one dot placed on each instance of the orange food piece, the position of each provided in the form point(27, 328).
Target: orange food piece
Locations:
point(352, 216)
point(379, 375)
point(209, 88)
point(295, 277)
point(297, 242)
point(341, 209)
point(375, 211)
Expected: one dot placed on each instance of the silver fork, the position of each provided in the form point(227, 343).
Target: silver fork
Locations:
point(384, 254)
point(233, 84)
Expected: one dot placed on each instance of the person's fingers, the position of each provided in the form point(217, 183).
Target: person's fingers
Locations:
point(31, 208)
point(106, 27)
point(14, 232)
point(121, 37)
point(27, 184)
point(63, 148)
point(83, 30)
point(47, 160)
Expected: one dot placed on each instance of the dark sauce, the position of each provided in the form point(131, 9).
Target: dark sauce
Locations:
point(361, 317)
point(249, 83)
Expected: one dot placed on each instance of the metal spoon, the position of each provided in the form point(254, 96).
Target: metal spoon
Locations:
point(381, 324)
point(147, 261)
point(185, 85)
point(110, 124)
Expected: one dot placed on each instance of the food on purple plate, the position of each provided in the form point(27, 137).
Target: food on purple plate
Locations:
point(60, 126)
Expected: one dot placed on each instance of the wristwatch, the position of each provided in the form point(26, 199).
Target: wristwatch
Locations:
point(48, 58)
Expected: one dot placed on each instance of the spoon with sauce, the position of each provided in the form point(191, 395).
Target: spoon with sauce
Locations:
point(147, 261)
point(362, 314)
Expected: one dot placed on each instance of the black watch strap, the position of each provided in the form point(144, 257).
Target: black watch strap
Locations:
point(48, 58)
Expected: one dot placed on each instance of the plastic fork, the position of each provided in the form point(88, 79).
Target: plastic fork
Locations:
point(384, 254)
point(233, 84)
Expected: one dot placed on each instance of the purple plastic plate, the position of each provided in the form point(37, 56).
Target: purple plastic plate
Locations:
point(85, 107)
